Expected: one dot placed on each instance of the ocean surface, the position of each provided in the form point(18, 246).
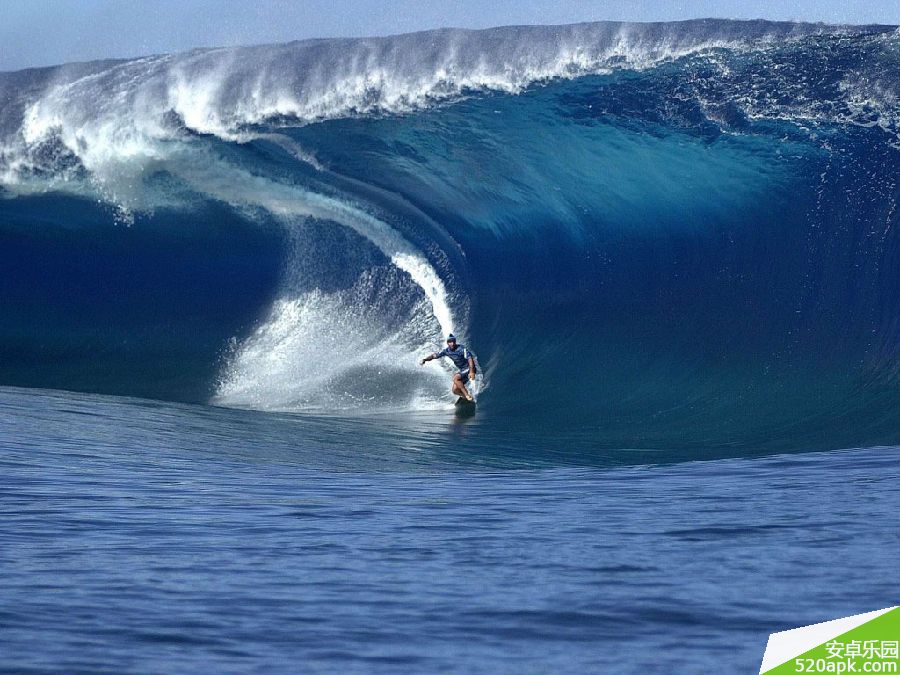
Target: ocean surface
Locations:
point(673, 247)
point(151, 537)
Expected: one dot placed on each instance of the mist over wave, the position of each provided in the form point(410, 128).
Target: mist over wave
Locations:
point(664, 235)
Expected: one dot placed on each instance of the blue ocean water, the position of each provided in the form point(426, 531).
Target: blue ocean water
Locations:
point(152, 537)
point(674, 248)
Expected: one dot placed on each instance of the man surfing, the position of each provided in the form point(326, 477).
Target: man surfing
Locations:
point(463, 359)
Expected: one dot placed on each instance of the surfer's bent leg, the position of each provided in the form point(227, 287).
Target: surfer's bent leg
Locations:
point(459, 387)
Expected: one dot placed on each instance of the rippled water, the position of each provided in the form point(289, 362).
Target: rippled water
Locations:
point(148, 537)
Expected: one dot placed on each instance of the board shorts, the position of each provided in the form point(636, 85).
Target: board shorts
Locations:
point(464, 375)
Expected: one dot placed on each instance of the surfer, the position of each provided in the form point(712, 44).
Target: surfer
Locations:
point(463, 359)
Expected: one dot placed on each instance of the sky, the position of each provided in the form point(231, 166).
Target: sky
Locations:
point(47, 32)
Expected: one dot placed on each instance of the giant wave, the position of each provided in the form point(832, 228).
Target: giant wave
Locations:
point(663, 235)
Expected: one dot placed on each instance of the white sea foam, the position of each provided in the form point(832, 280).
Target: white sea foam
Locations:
point(333, 350)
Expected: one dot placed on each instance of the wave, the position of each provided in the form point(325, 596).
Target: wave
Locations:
point(89, 115)
point(669, 234)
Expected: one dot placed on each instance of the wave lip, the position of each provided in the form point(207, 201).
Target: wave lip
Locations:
point(88, 115)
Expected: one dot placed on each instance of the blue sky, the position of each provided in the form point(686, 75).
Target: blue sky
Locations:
point(44, 32)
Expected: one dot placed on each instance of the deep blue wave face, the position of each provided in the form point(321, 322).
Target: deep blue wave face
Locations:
point(670, 236)
point(91, 304)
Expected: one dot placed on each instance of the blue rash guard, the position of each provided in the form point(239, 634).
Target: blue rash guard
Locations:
point(460, 357)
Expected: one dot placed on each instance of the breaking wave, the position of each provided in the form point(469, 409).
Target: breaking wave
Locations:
point(672, 234)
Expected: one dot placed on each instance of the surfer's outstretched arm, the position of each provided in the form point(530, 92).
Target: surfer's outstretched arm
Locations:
point(430, 357)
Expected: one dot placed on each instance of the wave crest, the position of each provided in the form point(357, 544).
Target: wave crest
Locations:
point(64, 120)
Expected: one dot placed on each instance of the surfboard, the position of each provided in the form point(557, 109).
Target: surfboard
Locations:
point(463, 408)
